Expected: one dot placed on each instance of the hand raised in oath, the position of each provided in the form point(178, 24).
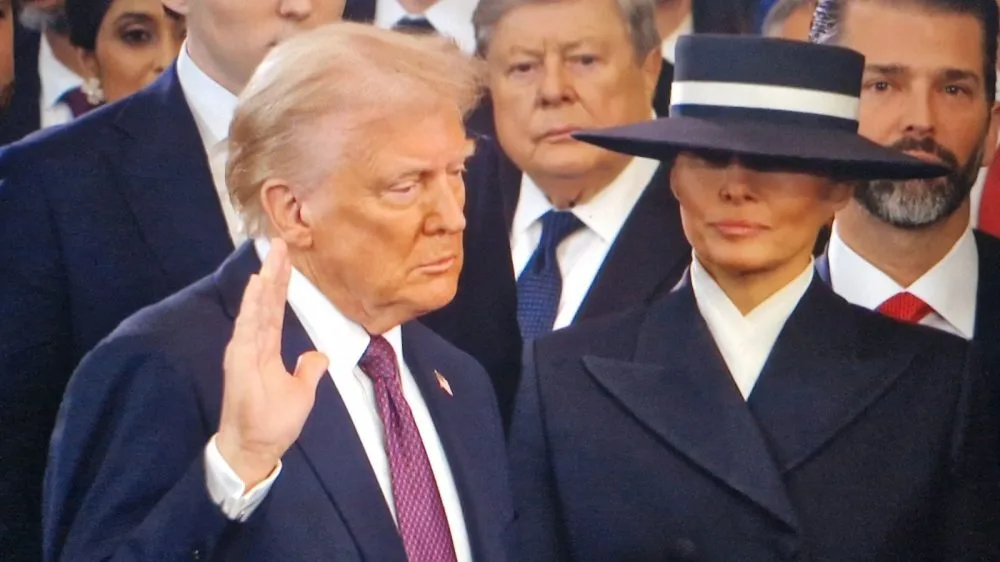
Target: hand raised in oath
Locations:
point(263, 406)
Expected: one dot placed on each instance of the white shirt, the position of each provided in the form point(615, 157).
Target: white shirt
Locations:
point(581, 254)
point(745, 342)
point(451, 18)
point(213, 107)
point(669, 46)
point(344, 343)
point(949, 287)
point(56, 79)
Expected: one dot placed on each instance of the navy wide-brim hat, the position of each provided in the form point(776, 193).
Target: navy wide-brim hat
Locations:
point(765, 98)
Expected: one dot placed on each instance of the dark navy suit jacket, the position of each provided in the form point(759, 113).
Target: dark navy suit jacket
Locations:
point(863, 440)
point(126, 477)
point(24, 114)
point(102, 217)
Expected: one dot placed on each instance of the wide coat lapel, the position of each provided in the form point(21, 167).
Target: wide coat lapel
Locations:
point(987, 329)
point(820, 376)
point(648, 257)
point(329, 441)
point(678, 386)
point(163, 173)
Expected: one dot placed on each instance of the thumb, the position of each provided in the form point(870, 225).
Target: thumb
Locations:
point(310, 368)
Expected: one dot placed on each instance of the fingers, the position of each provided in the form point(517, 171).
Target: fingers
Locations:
point(275, 274)
point(310, 369)
point(242, 349)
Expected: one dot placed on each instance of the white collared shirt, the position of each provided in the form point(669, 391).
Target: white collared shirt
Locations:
point(56, 79)
point(212, 107)
point(344, 343)
point(451, 18)
point(949, 287)
point(745, 342)
point(582, 253)
point(668, 48)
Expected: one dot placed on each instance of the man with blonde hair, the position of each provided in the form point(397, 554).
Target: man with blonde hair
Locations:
point(177, 442)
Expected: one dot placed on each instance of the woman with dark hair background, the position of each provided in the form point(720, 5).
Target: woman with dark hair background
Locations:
point(124, 45)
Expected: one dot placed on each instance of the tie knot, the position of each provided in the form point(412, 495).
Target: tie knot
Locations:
point(417, 24)
point(556, 226)
point(379, 360)
point(906, 307)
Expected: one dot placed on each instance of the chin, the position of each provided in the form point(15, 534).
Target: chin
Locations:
point(738, 261)
point(567, 160)
point(437, 294)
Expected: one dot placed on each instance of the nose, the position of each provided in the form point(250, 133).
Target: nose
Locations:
point(449, 207)
point(556, 86)
point(737, 183)
point(918, 113)
point(296, 10)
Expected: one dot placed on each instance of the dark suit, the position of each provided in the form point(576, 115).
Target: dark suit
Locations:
point(24, 114)
point(645, 261)
point(126, 477)
point(97, 219)
point(92, 232)
point(863, 440)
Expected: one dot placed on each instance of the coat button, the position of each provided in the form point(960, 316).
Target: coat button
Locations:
point(683, 550)
point(196, 554)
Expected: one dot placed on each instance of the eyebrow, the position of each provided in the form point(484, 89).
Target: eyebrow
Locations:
point(133, 17)
point(949, 74)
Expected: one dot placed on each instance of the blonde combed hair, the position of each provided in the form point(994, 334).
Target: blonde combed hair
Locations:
point(355, 73)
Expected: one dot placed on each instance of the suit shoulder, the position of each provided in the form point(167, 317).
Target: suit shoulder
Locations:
point(881, 333)
point(55, 148)
point(610, 336)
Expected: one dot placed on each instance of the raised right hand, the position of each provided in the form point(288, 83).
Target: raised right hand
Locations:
point(263, 406)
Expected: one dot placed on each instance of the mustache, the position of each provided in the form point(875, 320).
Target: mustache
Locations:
point(929, 146)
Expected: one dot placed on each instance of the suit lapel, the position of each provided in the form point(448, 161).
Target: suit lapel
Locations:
point(987, 330)
point(509, 178)
point(450, 415)
point(167, 182)
point(632, 272)
point(819, 377)
point(329, 441)
point(679, 388)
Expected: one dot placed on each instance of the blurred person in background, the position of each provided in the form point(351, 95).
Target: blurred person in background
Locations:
point(789, 19)
point(114, 212)
point(6, 53)
point(450, 18)
point(47, 68)
point(124, 45)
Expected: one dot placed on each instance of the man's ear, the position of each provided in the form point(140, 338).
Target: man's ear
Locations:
point(651, 66)
point(282, 209)
point(991, 135)
point(182, 7)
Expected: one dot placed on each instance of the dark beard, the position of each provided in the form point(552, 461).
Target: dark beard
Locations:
point(6, 94)
point(915, 204)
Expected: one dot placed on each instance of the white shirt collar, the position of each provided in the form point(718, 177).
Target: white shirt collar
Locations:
point(669, 46)
point(451, 18)
point(56, 78)
point(745, 342)
point(605, 213)
point(312, 308)
point(949, 287)
point(213, 106)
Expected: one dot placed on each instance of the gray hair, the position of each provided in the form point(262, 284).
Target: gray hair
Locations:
point(354, 73)
point(638, 15)
point(781, 11)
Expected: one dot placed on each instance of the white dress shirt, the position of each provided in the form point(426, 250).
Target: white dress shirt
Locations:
point(949, 287)
point(344, 343)
point(213, 107)
point(745, 342)
point(56, 79)
point(582, 253)
point(669, 46)
point(451, 18)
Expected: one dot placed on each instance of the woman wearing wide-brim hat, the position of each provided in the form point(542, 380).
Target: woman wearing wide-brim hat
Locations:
point(752, 414)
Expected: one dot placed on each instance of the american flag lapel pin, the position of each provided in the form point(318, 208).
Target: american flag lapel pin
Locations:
point(443, 382)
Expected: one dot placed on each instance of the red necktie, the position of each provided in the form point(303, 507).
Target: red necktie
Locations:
point(906, 307)
point(423, 524)
point(989, 205)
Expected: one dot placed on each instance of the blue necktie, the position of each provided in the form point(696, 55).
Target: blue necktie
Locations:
point(540, 284)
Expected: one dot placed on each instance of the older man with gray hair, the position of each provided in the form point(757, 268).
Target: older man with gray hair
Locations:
point(590, 232)
point(184, 437)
